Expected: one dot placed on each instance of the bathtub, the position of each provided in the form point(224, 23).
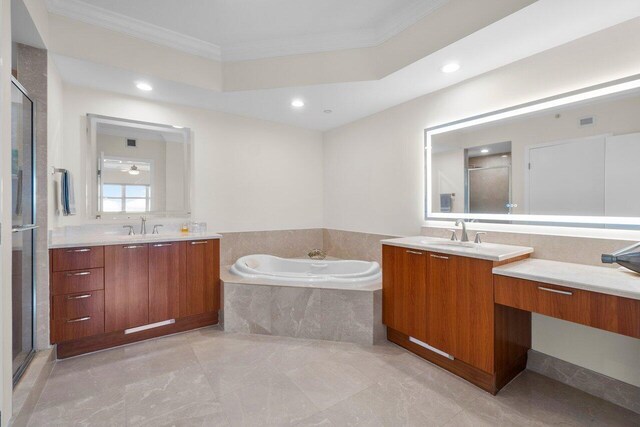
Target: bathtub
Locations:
point(335, 274)
point(336, 300)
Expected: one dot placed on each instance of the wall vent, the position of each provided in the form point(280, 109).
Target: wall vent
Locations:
point(131, 142)
point(587, 121)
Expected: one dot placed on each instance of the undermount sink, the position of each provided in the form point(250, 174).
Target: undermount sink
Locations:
point(454, 243)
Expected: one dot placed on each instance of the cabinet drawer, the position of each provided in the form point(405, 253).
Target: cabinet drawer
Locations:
point(608, 312)
point(68, 282)
point(78, 258)
point(77, 315)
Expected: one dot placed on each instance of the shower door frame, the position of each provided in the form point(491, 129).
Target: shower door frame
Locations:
point(27, 361)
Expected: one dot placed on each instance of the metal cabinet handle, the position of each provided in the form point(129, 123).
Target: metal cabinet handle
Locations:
point(415, 252)
point(82, 273)
point(555, 291)
point(200, 243)
point(79, 250)
point(134, 246)
point(439, 256)
point(79, 319)
point(80, 296)
point(162, 245)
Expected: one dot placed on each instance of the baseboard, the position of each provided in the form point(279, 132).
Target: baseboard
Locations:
point(594, 383)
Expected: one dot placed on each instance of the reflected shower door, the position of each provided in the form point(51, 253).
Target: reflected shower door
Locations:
point(489, 190)
point(23, 228)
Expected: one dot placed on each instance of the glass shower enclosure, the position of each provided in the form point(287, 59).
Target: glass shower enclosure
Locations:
point(23, 227)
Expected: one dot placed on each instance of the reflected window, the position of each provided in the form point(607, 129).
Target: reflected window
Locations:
point(126, 198)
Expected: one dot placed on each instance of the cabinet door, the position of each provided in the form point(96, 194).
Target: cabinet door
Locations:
point(126, 286)
point(166, 273)
point(200, 292)
point(403, 294)
point(440, 302)
point(474, 316)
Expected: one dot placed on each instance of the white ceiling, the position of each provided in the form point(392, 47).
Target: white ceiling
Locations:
point(542, 25)
point(249, 29)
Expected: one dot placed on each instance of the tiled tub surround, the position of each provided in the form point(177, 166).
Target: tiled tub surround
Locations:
point(353, 245)
point(282, 243)
point(263, 307)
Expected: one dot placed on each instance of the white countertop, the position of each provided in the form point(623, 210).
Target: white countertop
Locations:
point(488, 251)
point(102, 239)
point(612, 281)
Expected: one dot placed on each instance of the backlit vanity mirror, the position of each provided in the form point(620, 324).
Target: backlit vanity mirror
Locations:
point(137, 168)
point(571, 159)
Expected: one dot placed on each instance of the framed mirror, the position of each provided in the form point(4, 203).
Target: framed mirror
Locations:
point(566, 160)
point(137, 168)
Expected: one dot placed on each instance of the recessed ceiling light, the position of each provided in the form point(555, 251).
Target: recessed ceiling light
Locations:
point(297, 103)
point(178, 127)
point(451, 67)
point(484, 150)
point(144, 86)
point(328, 111)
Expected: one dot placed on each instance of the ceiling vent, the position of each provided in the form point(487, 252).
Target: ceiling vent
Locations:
point(587, 121)
point(131, 143)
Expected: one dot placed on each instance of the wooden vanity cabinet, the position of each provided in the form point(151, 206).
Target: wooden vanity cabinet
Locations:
point(126, 286)
point(167, 272)
point(100, 293)
point(77, 296)
point(200, 292)
point(446, 302)
point(608, 312)
point(404, 279)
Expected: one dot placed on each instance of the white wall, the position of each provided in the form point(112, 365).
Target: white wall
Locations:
point(373, 170)
point(248, 174)
point(55, 135)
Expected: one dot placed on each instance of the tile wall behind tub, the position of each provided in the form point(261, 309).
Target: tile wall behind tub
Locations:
point(282, 243)
point(353, 245)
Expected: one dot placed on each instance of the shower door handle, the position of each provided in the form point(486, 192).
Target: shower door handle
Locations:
point(25, 227)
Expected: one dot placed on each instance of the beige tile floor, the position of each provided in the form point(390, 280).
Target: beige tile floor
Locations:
point(210, 378)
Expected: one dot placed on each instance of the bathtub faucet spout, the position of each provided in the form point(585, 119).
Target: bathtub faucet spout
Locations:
point(317, 254)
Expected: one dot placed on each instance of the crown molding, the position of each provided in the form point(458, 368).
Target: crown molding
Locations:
point(90, 14)
point(304, 44)
point(315, 43)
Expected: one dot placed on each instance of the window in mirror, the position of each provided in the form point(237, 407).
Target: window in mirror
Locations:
point(139, 167)
point(571, 159)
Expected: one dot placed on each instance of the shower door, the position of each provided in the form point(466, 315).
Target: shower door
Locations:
point(23, 227)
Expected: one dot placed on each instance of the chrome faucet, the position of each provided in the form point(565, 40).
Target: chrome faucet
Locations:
point(465, 236)
point(143, 225)
point(130, 227)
